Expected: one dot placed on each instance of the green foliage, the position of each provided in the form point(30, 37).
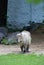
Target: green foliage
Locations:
point(22, 59)
point(34, 1)
point(43, 21)
point(4, 41)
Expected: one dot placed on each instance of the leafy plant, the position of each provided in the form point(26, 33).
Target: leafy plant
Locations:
point(4, 41)
point(34, 1)
point(7, 42)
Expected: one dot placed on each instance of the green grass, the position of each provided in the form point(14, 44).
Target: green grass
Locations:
point(21, 59)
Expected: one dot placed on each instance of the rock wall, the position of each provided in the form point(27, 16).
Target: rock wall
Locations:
point(20, 12)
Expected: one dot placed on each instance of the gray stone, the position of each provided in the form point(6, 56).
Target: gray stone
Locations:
point(3, 30)
point(1, 36)
point(3, 33)
point(12, 39)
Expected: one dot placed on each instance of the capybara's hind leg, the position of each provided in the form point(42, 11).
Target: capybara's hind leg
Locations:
point(27, 49)
point(23, 49)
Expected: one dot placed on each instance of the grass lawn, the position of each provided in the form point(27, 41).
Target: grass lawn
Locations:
point(22, 59)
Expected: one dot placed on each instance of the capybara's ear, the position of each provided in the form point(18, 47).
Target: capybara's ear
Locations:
point(18, 35)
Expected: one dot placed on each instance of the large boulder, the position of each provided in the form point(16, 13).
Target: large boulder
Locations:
point(1, 36)
point(3, 30)
point(3, 33)
point(10, 39)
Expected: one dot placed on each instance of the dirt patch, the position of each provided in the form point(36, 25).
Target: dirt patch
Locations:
point(37, 46)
